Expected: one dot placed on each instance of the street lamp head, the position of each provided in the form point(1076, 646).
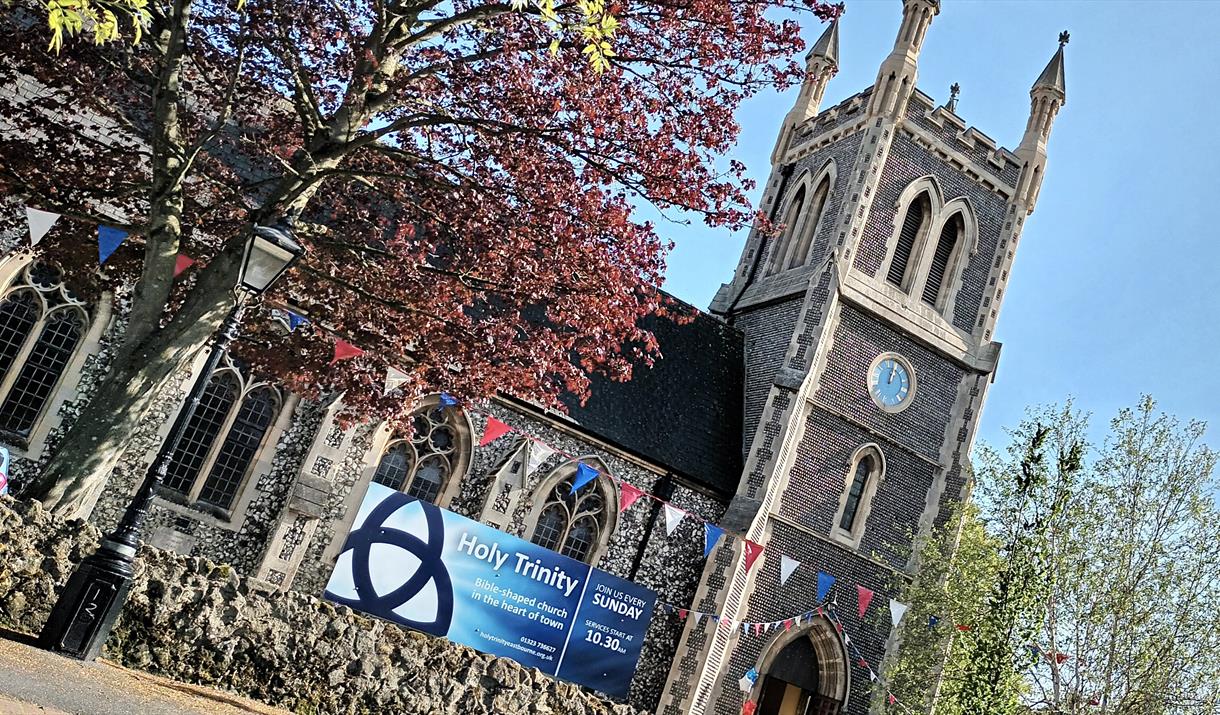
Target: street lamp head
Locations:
point(270, 252)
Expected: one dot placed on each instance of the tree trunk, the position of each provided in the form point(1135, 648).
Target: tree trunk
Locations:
point(148, 355)
point(95, 442)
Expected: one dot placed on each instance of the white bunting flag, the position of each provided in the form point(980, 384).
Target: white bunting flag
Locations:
point(539, 453)
point(787, 565)
point(698, 616)
point(897, 610)
point(872, 675)
point(673, 517)
point(745, 684)
point(393, 378)
point(40, 222)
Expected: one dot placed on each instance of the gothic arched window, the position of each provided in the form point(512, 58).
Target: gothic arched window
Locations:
point(799, 252)
point(864, 473)
point(576, 525)
point(794, 220)
point(434, 455)
point(41, 326)
point(940, 268)
point(223, 438)
point(914, 225)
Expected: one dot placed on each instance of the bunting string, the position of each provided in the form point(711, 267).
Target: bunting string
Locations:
point(495, 428)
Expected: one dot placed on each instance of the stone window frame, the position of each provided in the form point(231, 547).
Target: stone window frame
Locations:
point(835, 672)
point(262, 454)
point(335, 529)
point(958, 260)
point(264, 458)
point(386, 437)
point(852, 538)
point(555, 478)
point(794, 220)
point(910, 292)
point(96, 320)
point(800, 232)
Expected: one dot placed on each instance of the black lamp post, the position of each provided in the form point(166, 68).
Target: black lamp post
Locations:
point(94, 596)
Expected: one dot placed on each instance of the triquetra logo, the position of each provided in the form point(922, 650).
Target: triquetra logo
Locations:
point(391, 565)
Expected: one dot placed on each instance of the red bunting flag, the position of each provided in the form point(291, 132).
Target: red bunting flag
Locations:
point(344, 350)
point(788, 624)
point(628, 496)
point(682, 613)
point(757, 628)
point(749, 707)
point(864, 597)
point(863, 663)
point(494, 430)
point(892, 699)
point(184, 262)
point(1061, 658)
point(962, 628)
point(753, 551)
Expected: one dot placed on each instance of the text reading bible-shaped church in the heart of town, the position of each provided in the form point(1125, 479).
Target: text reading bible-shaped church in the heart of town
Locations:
point(822, 407)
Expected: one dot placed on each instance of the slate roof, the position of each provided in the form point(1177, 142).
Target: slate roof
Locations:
point(685, 412)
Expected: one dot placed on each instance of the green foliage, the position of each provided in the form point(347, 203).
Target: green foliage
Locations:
point(98, 18)
point(593, 22)
point(1088, 585)
point(960, 565)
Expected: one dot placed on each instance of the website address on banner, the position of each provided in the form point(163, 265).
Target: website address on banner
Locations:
point(518, 646)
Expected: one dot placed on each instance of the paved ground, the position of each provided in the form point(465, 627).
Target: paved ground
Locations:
point(34, 682)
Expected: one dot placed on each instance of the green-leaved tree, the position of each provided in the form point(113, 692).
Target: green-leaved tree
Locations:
point(1096, 592)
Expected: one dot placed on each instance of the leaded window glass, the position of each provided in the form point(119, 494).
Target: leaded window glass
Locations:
point(221, 442)
point(201, 432)
point(425, 463)
point(241, 445)
point(41, 326)
point(572, 524)
point(867, 469)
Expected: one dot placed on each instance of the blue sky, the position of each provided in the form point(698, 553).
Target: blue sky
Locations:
point(1114, 291)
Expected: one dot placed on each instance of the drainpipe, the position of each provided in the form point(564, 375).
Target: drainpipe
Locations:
point(664, 490)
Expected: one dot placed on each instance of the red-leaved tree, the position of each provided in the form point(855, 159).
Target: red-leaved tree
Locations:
point(463, 180)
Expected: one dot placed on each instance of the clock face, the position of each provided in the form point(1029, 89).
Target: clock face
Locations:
point(891, 382)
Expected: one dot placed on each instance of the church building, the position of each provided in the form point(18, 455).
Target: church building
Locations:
point(823, 407)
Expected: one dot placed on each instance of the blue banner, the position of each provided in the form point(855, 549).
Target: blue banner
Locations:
point(413, 563)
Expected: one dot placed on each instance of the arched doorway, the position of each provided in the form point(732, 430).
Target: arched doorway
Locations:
point(804, 673)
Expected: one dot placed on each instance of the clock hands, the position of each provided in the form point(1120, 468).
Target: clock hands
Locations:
point(893, 371)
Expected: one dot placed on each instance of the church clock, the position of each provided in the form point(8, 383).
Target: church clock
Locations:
point(891, 382)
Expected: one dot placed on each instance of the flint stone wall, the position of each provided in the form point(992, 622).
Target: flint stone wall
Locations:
point(194, 621)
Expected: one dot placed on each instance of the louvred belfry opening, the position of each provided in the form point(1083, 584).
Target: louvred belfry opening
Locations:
point(917, 215)
point(950, 235)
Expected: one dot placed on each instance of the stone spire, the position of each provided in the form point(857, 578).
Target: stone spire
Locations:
point(1052, 77)
point(821, 63)
point(896, 77)
point(1047, 96)
point(827, 45)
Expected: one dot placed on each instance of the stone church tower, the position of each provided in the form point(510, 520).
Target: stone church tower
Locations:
point(868, 328)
